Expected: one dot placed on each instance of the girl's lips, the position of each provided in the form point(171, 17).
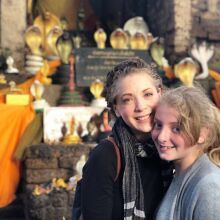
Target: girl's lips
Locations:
point(165, 148)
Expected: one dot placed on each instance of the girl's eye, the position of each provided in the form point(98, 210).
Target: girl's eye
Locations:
point(157, 125)
point(176, 129)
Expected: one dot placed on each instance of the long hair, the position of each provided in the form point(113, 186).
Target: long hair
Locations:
point(196, 111)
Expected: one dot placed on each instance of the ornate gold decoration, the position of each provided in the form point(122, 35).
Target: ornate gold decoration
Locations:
point(138, 41)
point(96, 88)
point(64, 47)
point(37, 90)
point(100, 38)
point(33, 38)
point(52, 37)
point(46, 22)
point(119, 39)
point(186, 70)
point(72, 137)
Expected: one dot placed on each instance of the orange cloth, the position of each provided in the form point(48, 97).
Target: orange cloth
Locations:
point(13, 121)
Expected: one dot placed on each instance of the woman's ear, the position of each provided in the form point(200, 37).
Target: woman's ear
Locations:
point(203, 135)
point(116, 111)
point(159, 90)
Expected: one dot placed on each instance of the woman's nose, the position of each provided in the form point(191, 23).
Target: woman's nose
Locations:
point(140, 104)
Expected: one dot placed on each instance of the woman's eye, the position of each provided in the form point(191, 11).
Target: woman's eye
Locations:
point(148, 94)
point(127, 100)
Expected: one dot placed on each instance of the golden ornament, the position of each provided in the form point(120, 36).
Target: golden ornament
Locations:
point(96, 88)
point(186, 70)
point(119, 39)
point(100, 38)
point(33, 38)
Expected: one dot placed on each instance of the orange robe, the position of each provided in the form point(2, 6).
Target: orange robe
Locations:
point(13, 121)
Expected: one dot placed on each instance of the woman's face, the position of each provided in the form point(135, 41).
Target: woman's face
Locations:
point(136, 99)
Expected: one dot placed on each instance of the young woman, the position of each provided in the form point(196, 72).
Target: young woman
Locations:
point(186, 126)
point(133, 89)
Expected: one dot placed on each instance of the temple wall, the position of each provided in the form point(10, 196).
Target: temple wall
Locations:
point(43, 163)
point(183, 22)
point(12, 26)
point(179, 22)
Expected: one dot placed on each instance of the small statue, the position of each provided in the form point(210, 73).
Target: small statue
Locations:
point(13, 88)
point(2, 79)
point(11, 69)
point(186, 70)
point(100, 38)
point(63, 131)
point(37, 90)
point(119, 39)
point(203, 53)
point(96, 88)
point(72, 137)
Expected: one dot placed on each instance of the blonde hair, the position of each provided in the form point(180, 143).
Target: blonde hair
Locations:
point(196, 111)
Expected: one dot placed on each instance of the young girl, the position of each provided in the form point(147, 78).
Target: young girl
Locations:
point(186, 127)
point(133, 89)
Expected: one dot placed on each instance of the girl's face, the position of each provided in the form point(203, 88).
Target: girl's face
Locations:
point(169, 138)
point(136, 99)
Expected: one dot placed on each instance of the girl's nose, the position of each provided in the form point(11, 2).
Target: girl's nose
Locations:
point(163, 135)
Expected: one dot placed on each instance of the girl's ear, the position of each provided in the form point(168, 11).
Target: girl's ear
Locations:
point(203, 135)
point(116, 111)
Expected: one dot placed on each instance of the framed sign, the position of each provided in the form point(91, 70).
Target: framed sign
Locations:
point(94, 63)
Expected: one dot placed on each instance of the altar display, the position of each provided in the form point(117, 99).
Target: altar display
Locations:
point(79, 119)
point(55, 117)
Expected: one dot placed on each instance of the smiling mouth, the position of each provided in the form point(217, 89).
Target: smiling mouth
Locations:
point(142, 118)
point(166, 147)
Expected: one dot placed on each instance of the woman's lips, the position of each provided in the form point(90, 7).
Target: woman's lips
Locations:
point(142, 118)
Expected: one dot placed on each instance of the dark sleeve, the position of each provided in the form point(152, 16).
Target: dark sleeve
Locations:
point(97, 183)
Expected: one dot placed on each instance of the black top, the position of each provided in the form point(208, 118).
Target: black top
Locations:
point(102, 197)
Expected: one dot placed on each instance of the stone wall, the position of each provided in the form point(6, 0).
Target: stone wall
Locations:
point(183, 22)
point(160, 19)
point(13, 25)
point(206, 25)
point(42, 164)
